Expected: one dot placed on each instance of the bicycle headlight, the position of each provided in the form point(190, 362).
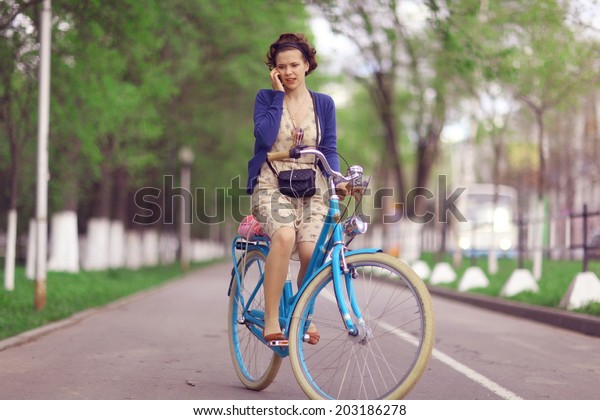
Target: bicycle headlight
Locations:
point(355, 225)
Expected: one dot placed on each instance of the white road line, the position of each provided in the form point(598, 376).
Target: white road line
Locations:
point(457, 366)
point(475, 376)
point(450, 362)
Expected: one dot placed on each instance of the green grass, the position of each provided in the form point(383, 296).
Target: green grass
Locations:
point(68, 294)
point(557, 275)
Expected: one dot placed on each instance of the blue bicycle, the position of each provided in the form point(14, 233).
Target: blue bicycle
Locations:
point(373, 313)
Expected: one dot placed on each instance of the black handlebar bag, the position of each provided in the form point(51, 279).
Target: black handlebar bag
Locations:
point(298, 183)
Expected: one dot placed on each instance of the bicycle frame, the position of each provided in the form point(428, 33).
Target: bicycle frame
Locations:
point(380, 355)
point(329, 245)
point(331, 233)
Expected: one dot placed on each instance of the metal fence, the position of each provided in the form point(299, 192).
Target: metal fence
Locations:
point(573, 235)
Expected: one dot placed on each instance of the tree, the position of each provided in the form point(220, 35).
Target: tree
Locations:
point(132, 82)
point(378, 33)
point(410, 73)
point(553, 66)
point(531, 48)
point(18, 64)
point(212, 112)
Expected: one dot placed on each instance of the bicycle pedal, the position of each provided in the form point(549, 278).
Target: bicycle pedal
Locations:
point(278, 343)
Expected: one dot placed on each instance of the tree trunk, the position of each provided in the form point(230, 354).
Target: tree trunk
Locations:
point(64, 238)
point(11, 240)
point(427, 151)
point(492, 254)
point(539, 119)
point(64, 242)
point(118, 222)
point(120, 190)
point(103, 196)
point(98, 234)
point(11, 246)
point(384, 102)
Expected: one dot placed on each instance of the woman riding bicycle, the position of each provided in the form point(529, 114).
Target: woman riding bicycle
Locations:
point(285, 116)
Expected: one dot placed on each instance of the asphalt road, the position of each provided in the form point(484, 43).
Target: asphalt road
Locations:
point(171, 343)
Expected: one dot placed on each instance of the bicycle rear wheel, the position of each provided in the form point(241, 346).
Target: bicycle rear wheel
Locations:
point(255, 364)
point(391, 351)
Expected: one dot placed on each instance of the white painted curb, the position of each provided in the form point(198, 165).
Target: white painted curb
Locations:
point(422, 269)
point(474, 277)
point(521, 280)
point(584, 289)
point(442, 273)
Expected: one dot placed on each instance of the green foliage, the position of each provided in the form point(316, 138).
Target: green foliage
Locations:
point(592, 309)
point(358, 131)
point(212, 112)
point(134, 80)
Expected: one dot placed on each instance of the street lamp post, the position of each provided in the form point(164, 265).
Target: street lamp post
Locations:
point(186, 156)
point(42, 158)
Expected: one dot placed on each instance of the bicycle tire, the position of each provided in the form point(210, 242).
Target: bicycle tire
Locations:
point(256, 365)
point(397, 309)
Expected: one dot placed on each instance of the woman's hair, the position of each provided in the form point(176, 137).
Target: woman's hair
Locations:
point(292, 41)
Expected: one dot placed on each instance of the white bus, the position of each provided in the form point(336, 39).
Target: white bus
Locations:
point(490, 224)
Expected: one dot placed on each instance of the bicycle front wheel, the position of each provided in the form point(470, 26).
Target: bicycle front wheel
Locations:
point(255, 364)
point(392, 348)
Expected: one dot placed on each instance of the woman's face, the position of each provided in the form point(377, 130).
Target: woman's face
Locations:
point(292, 68)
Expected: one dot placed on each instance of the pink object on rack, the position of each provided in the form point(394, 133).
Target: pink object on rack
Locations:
point(250, 227)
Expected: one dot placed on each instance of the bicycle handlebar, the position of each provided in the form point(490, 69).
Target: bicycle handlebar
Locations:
point(273, 156)
point(296, 153)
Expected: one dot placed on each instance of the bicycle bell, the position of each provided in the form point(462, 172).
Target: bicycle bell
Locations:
point(356, 173)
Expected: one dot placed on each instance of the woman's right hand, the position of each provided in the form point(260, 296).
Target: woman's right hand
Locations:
point(275, 80)
point(345, 189)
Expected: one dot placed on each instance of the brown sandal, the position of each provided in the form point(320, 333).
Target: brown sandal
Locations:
point(313, 337)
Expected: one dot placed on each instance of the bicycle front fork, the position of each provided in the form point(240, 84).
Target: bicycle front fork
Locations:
point(357, 329)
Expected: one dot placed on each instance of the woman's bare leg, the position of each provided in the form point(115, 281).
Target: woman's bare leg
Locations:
point(305, 252)
point(276, 270)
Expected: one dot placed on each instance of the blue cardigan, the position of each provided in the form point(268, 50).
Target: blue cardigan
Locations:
point(268, 109)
